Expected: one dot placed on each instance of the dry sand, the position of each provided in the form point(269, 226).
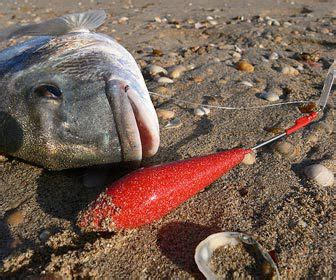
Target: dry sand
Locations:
point(270, 200)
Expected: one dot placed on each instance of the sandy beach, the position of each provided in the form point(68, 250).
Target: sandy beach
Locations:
point(291, 45)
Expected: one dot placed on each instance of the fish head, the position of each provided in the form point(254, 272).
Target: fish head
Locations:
point(77, 100)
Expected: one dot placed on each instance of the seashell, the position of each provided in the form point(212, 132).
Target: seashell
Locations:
point(245, 66)
point(165, 114)
point(164, 80)
point(156, 70)
point(205, 249)
point(269, 96)
point(201, 111)
point(177, 71)
point(273, 56)
point(174, 123)
point(320, 174)
point(249, 159)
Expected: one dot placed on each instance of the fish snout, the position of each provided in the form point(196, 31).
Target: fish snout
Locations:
point(135, 119)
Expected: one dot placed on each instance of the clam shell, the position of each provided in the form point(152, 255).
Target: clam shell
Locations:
point(205, 249)
point(320, 174)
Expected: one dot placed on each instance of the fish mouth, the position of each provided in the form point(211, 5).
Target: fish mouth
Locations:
point(135, 120)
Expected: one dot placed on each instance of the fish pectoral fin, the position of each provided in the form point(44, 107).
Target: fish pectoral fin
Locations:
point(66, 24)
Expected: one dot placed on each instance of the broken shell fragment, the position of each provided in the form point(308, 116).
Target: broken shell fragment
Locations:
point(174, 123)
point(320, 174)
point(206, 248)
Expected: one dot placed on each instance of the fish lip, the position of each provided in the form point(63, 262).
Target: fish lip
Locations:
point(147, 124)
point(138, 130)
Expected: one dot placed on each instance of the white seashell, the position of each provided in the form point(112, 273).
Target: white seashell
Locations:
point(201, 111)
point(165, 80)
point(155, 70)
point(320, 174)
point(246, 83)
point(205, 249)
point(270, 96)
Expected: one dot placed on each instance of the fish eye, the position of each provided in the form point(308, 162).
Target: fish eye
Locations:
point(48, 91)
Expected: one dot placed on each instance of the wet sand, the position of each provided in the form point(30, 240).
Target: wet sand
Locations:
point(270, 200)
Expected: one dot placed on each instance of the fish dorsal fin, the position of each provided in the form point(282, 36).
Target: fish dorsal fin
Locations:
point(59, 26)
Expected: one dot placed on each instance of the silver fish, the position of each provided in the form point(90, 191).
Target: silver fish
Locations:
point(72, 98)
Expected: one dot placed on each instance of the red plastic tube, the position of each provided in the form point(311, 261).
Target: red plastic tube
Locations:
point(148, 194)
point(301, 122)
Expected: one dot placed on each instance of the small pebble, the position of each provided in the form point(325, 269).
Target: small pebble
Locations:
point(158, 19)
point(299, 67)
point(174, 123)
point(164, 80)
point(201, 111)
point(245, 66)
point(155, 70)
point(249, 159)
point(165, 114)
point(291, 71)
point(123, 20)
point(15, 218)
point(177, 71)
point(44, 235)
point(277, 39)
point(320, 174)
point(270, 96)
point(236, 57)
point(273, 56)
point(198, 79)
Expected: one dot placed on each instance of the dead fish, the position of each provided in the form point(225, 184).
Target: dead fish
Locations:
point(72, 98)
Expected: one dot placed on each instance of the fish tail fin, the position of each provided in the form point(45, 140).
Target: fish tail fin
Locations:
point(66, 24)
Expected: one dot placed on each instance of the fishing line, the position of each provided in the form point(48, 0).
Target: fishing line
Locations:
point(227, 107)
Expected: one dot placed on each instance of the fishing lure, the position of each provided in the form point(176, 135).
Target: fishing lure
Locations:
point(148, 194)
